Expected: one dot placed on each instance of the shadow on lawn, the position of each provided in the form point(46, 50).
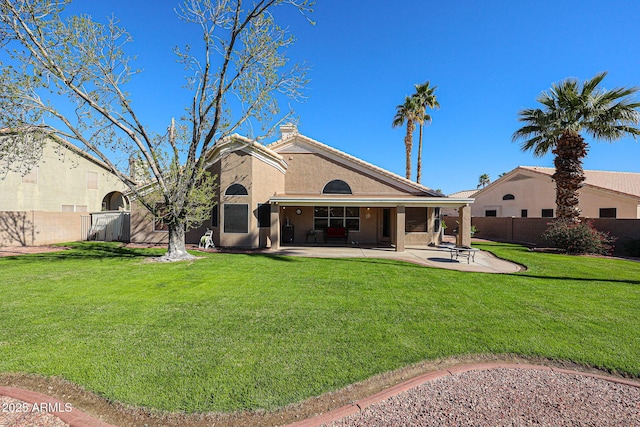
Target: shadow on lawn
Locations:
point(89, 250)
point(577, 279)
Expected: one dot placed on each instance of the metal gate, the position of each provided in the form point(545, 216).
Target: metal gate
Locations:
point(110, 226)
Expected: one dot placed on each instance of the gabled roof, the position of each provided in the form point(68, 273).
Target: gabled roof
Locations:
point(71, 147)
point(301, 143)
point(237, 142)
point(627, 183)
point(464, 193)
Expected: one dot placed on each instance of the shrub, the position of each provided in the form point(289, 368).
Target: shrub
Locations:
point(578, 238)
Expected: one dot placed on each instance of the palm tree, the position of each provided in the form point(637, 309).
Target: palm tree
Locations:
point(484, 180)
point(410, 111)
point(427, 98)
point(569, 109)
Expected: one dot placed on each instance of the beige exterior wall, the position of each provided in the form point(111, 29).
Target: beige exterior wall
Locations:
point(142, 227)
point(534, 192)
point(260, 179)
point(267, 181)
point(34, 228)
point(62, 178)
point(308, 173)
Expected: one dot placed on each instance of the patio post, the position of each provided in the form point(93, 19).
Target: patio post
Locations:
point(464, 229)
point(400, 218)
point(275, 226)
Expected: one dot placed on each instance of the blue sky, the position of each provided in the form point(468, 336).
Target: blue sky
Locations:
point(489, 59)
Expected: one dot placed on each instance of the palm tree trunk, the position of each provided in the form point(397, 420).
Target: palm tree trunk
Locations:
point(408, 144)
point(569, 175)
point(419, 165)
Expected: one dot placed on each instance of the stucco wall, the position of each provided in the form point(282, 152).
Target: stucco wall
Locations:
point(261, 180)
point(267, 181)
point(529, 230)
point(308, 173)
point(534, 192)
point(35, 228)
point(142, 225)
point(61, 178)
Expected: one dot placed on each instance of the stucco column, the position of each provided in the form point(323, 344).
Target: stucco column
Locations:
point(400, 219)
point(464, 229)
point(275, 226)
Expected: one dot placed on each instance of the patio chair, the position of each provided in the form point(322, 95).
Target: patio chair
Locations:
point(206, 241)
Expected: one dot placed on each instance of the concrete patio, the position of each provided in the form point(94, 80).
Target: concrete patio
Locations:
point(429, 256)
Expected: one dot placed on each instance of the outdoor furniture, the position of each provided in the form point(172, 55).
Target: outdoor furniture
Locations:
point(206, 241)
point(457, 252)
point(336, 233)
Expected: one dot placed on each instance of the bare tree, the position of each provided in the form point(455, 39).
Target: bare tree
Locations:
point(55, 62)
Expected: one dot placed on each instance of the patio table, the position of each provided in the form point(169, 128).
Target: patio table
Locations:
point(460, 251)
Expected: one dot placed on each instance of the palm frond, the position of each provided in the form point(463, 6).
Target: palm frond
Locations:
point(571, 107)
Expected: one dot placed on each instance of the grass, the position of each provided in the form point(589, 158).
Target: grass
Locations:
point(231, 332)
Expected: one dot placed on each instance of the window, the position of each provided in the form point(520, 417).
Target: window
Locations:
point(608, 213)
point(336, 216)
point(337, 186)
point(92, 180)
point(158, 223)
point(547, 213)
point(524, 213)
point(415, 220)
point(264, 215)
point(508, 197)
point(236, 218)
point(74, 208)
point(236, 190)
point(491, 212)
point(215, 214)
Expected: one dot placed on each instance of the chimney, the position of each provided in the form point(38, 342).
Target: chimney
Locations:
point(288, 130)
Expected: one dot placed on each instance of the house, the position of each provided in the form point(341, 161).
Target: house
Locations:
point(464, 194)
point(42, 204)
point(298, 190)
point(529, 191)
point(65, 179)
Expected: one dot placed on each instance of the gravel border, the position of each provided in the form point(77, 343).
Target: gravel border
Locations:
point(506, 397)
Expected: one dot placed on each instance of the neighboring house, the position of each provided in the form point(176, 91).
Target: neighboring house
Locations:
point(298, 190)
point(530, 192)
point(66, 179)
point(464, 194)
point(44, 204)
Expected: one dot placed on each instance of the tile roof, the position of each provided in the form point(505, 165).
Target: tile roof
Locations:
point(292, 138)
point(465, 194)
point(619, 182)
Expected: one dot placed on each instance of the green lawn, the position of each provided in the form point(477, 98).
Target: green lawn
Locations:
point(231, 332)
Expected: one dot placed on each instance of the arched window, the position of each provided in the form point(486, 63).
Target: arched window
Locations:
point(236, 190)
point(508, 197)
point(337, 186)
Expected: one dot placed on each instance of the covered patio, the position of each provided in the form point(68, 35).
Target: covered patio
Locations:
point(381, 222)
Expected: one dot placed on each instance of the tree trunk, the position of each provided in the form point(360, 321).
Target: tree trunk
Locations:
point(419, 165)
point(569, 175)
point(176, 250)
point(408, 144)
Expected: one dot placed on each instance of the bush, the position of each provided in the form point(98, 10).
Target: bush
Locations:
point(632, 247)
point(578, 238)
